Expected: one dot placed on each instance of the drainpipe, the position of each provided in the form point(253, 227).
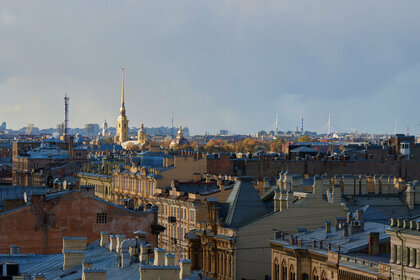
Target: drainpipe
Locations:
point(397, 233)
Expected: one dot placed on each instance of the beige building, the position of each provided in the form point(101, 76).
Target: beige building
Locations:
point(405, 249)
point(353, 249)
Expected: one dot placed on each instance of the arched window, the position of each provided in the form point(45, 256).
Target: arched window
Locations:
point(292, 273)
point(305, 276)
point(276, 270)
point(283, 270)
point(315, 275)
point(324, 275)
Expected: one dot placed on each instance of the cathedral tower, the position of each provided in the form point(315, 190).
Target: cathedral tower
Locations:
point(122, 123)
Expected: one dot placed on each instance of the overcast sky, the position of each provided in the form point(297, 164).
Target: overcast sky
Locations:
point(215, 64)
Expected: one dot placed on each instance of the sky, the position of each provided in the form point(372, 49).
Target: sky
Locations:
point(213, 64)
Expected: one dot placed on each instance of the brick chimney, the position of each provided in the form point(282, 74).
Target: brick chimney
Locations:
point(73, 251)
point(374, 243)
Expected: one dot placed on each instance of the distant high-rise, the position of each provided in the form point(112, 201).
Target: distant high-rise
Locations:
point(122, 123)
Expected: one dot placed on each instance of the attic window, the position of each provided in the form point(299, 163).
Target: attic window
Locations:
point(101, 218)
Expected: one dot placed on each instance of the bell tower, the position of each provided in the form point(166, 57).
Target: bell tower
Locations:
point(122, 122)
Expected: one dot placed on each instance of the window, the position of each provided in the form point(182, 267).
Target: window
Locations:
point(192, 215)
point(101, 218)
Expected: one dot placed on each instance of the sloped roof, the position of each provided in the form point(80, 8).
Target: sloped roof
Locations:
point(244, 205)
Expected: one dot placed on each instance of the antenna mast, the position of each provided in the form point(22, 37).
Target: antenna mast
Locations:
point(66, 116)
point(277, 123)
point(301, 125)
point(329, 124)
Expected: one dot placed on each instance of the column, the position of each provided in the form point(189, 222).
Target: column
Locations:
point(398, 254)
point(412, 257)
point(223, 267)
point(228, 267)
point(406, 256)
point(393, 253)
point(418, 259)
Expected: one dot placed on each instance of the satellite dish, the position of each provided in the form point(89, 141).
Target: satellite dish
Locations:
point(25, 197)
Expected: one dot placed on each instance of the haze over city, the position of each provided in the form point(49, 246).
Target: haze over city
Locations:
point(216, 65)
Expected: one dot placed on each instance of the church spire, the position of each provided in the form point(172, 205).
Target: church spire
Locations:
point(122, 110)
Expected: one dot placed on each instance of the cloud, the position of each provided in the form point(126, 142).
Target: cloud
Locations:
point(218, 65)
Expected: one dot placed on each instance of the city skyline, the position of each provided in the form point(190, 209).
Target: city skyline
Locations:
point(221, 65)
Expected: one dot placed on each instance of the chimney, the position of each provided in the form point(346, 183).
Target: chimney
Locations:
point(87, 264)
point(208, 178)
point(14, 250)
point(73, 251)
point(94, 274)
point(120, 239)
point(359, 215)
point(349, 217)
point(159, 256)
point(327, 227)
point(104, 238)
point(144, 253)
point(410, 196)
point(39, 276)
point(185, 268)
point(112, 242)
point(169, 259)
point(277, 197)
point(373, 243)
point(345, 229)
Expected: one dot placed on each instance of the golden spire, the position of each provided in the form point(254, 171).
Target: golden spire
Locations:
point(122, 94)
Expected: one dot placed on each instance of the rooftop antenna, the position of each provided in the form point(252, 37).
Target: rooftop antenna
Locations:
point(329, 124)
point(408, 130)
point(277, 124)
point(66, 116)
point(301, 125)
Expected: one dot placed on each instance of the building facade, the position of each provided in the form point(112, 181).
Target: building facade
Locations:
point(405, 249)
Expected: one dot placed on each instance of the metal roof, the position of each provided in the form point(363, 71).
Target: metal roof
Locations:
point(101, 258)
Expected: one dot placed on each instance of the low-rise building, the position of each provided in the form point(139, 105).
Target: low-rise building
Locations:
point(39, 225)
point(352, 249)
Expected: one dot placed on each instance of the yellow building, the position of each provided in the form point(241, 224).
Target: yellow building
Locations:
point(122, 123)
point(141, 135)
